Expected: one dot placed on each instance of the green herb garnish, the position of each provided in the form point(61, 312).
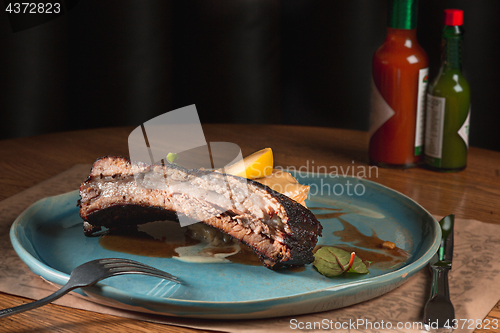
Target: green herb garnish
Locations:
point(332, 261)
point(171, 157)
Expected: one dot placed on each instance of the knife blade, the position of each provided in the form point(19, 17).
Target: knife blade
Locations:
point(439, 311)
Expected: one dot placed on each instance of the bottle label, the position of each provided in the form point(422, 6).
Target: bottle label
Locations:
point(423, 76)
point(434, 128)
point(464, 130)
point(380, 111)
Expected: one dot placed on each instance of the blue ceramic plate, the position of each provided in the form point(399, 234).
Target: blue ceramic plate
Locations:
point(48, 237)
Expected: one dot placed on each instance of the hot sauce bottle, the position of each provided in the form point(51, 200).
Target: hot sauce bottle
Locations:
point(400, 71)
point(448, 103)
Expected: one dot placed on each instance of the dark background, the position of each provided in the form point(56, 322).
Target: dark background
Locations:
point(113, 63)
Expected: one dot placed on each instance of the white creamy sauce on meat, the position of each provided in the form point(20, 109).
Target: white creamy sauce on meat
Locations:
point(205, 252)
point(197, 254)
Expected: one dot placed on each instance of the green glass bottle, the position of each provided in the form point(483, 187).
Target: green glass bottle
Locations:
point(448, 103)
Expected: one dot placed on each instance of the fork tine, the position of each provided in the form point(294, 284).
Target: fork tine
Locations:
point(122, 266)
point(123, 260)
point(142, 268)
point(137, 265)
point(136, 270)
point(116, 262)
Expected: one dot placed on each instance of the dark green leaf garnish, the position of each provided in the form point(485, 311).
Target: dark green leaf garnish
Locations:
point(332, 261)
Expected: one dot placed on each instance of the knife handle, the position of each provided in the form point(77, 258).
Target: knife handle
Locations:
point(440, 282)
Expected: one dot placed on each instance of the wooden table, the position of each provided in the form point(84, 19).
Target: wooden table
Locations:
point(472, 193)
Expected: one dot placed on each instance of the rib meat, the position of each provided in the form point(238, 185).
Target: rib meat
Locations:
point(119, 193)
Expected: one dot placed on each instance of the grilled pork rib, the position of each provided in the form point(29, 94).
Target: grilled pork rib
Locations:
point(119, 192)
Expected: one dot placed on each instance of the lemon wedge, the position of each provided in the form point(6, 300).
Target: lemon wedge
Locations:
point(256, 165)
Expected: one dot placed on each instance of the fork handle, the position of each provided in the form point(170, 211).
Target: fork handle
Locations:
point(28, 306)
point(440, 285)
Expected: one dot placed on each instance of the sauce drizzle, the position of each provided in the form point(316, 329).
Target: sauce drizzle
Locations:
point(368, 248)
point(167, 239)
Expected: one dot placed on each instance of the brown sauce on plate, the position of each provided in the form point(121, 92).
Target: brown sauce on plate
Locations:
point(166, 241)
point(368, 248)
point(133, 241)
point(246, 256)
point(169, 236)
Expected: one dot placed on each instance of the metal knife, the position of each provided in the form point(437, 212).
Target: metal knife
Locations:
point(439, 311)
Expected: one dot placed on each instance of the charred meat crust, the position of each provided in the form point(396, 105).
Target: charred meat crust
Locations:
point(293, 247)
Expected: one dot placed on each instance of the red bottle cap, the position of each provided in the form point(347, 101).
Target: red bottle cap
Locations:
point(453, 17)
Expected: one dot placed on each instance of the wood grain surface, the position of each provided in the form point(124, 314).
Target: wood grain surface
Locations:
point(473, 193)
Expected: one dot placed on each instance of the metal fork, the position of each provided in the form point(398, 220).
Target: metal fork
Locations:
point(88, 274)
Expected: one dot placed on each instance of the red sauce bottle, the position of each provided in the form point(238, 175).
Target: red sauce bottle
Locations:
point(400, 72)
